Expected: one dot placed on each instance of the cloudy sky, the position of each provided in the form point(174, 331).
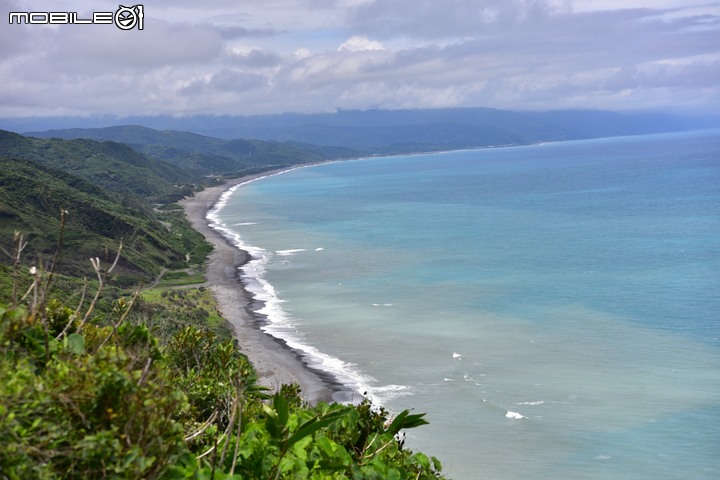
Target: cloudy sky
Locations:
point(272, 56)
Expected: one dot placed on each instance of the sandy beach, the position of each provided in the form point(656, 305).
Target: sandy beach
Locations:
point(275, 362)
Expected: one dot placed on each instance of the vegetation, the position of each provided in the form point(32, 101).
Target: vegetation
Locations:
point(201, 156)
point(31, 195)
point(102, 379)
point(108, 165)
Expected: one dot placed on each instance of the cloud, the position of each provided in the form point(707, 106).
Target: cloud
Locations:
point(254, 58)
point(358, 43)
point(696, 74)
point(320, 55)
point(242, 32)
point(448, 18)
point(228, 81)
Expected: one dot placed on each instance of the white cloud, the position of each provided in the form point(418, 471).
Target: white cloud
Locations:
point(319, 55)
point(359, 43)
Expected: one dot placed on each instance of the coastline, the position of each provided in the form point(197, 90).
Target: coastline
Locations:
point(275, 362)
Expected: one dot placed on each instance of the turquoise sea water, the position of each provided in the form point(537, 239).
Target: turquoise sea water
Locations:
point(555, 309)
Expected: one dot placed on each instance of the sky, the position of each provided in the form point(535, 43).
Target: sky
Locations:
point(247, 57)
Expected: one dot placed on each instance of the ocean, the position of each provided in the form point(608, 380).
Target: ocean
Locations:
point(554, 309)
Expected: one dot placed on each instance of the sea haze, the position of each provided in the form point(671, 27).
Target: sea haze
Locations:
point(553, 308)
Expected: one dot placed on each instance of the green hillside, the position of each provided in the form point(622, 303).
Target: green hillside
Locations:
point(199, 155)
point(109, 165)
point(32, 196)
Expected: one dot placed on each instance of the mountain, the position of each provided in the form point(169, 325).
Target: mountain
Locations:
point(372, 131)
point(109, 165)
point(109, 192)
point(31, 197)
point(200, 155)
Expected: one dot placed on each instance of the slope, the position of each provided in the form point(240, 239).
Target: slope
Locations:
point(32, 196)
point(201, 155)
point(109, 165)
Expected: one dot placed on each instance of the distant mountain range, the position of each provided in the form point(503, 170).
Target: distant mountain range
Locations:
point(199, 155)
point(361, 132)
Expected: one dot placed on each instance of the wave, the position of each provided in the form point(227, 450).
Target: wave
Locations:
point(279, 324)
point(290, 252)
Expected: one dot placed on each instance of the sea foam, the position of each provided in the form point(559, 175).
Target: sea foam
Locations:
point(290, 252)
point(514, 415)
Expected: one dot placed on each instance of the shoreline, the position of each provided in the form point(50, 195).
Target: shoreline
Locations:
point(276, 363)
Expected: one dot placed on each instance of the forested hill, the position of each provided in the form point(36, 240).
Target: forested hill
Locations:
point(97, 220)
point(109, 165)
point(201, 155)
point(115, 191)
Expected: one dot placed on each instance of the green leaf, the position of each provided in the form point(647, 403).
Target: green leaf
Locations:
point(272, 422)
point(76, 343)
point(313, 425)
point(269, 412)
point(130, 458)
point(185, 466)
point(416, 420)
point(422, 460)
point(405, 420)
point(300, 448)
point(337, 456)
point(281, 407)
